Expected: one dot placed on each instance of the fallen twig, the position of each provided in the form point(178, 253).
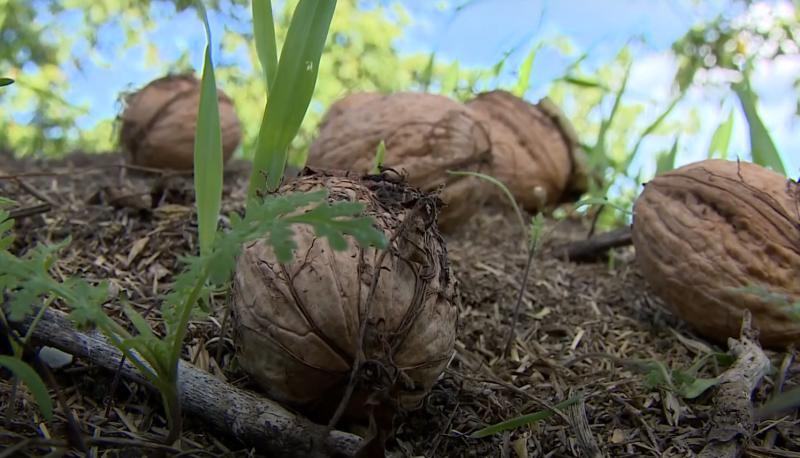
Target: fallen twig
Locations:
point(593, 247)
point(731, 427)
point(24, 212)
point(256, 421)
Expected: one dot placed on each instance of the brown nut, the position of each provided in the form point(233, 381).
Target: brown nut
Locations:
point(159, 123)
point(425, 136)
point(536, 152)
point(296, 325)
point(347, 103)
point(706, 228)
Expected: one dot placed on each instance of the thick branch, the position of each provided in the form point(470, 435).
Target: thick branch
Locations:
point(256, 421)
point(732, 425)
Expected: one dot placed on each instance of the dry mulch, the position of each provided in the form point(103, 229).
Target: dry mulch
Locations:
point(131, 228)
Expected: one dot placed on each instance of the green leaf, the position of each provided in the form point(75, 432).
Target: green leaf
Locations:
point(379, 155)
point(324, 219)
point(762, 147)
point(720, 141)
point(29, 377)
point(6, 82)
point(698, 387)
point(786, 400)
point(207, 149)
point(651, 128)
point(291, 92)
point(450, 80)
point(427, 74)
point(666, 162)
point(525, 70)
point(598, 154)
point(266, 43)
point(523, 420)
point(582, 82)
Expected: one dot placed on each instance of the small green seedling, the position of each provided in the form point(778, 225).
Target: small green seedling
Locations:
point(379, 156)
point(535, 235)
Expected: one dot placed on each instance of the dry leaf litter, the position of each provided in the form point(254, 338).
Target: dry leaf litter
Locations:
point(569, 309)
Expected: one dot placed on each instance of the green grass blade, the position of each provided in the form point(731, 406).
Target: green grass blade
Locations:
point(784, 401)
point(266, 43)
point(207, 150)
point(523, 420)
point(666, 162)
point(720, 141)
point(651, 128)
point(379, 156)
point(503, 188)
point(525, 70)
point(6, 82)
point(29, 377)
point(450, 80)
point(427, 74)
point(761, 145)
point(584, 83)
point(291, 91)
point(598, 152)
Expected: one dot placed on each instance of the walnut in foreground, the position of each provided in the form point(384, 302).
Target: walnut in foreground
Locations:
point(296, 325)
point(159, 122)
point(715, 225)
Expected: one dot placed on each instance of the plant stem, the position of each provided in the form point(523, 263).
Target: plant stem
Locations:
point(180, 332)
point(512, 331)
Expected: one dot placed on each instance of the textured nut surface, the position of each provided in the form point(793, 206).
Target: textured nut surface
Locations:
point(425, 136)
point(296, 325)
point(159, 122)
point(533, 146)
point(715, 225)
point(347, 103)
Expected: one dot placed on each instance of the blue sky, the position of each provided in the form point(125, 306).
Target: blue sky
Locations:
point(480, 35)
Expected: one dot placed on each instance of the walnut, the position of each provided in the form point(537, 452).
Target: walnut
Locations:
point(296, 325)
point(425, 136)
point(159, 123)
point(536, 152)
point(704, 229)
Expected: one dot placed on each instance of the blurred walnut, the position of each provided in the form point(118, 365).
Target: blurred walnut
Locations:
point(159, 123)
point(425, 135)
point(712, 226)
point(536, 152)
point(296, 325)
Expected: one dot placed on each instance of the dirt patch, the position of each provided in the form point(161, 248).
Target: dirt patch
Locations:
point(131, 228)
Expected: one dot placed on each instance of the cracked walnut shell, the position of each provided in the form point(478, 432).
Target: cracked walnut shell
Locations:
point(296, 325)
point(704, 229)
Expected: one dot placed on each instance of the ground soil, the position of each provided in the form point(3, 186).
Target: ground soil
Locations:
point(131, 227)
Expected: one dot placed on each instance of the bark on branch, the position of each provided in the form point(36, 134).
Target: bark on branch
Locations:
point(731, 427)
point(256, 421)
point(593, 248)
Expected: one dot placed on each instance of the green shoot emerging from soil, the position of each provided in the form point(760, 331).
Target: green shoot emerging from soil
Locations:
point(28, 280)
point(20, 370)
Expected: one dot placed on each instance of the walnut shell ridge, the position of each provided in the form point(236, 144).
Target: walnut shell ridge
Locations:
point(536, 152)
point(715, 225)
point(296, 325)
point(159, 121)
point(425, 136)
point(347, 103)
